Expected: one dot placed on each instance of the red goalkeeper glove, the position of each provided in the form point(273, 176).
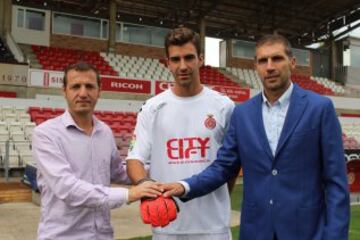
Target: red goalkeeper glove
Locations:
point(158, 212)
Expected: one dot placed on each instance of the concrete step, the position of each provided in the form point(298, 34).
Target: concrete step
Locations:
point(29, 54)
point(36, 65)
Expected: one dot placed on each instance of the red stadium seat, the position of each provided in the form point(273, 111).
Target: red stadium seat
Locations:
point(307, 83)
point(54, 58)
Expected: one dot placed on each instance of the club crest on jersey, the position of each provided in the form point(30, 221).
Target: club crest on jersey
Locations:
point(210, 122)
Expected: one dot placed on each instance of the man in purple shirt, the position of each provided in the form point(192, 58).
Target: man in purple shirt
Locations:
point(77, 157)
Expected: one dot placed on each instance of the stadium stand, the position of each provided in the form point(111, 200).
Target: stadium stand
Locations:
point(317, 84)
point(211, 76)
point(351, 132)
point(249, 76)
point(138, 67)
point(15, 129)
point(336, 88)
point(121, 123)
point(155, 69)
point(17, 124)
point(350, 142)
point(53, 58)
point(307, 83)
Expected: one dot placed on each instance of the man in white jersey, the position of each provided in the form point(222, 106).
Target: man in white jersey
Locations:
point(179, 132)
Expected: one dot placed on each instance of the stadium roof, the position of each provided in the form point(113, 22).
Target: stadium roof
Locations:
point(302, 21)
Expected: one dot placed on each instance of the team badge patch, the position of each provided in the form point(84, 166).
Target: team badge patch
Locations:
point(210, 122)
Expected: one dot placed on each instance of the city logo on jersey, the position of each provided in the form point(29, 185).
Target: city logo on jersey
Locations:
point(187, 150)
point(210, 122)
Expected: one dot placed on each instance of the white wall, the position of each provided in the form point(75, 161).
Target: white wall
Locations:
point(346, 103)
point(27, 36)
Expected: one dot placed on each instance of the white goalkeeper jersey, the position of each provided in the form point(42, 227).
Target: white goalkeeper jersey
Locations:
point(179, 137)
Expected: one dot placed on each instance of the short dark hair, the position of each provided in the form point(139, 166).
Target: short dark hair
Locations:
point(180, 36)
point(81, 67)
point(275, 38)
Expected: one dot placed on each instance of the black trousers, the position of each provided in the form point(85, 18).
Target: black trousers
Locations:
point(275, 237)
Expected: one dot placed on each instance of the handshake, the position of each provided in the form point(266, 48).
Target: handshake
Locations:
point(157, 206)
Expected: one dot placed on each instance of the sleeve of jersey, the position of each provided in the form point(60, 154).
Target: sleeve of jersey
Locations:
point(140, 145)
point(228, 112)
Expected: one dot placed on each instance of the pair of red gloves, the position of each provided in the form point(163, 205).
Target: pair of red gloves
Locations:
point(158, 212)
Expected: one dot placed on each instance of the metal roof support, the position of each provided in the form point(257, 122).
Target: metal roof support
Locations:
point(6, 15)
point(333, 58)
point(202, 28)
point(112, 26)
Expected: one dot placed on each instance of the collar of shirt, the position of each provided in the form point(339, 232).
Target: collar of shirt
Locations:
point(283, 101)
point(68, 121)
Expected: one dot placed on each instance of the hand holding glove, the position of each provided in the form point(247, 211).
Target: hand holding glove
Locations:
point(159, 211)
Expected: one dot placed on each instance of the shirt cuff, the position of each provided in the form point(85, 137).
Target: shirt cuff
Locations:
point(117, 197)
point(186, 187)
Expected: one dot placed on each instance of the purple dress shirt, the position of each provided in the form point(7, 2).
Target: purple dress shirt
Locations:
point(74, 172)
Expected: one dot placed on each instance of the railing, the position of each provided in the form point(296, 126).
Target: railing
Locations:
point(14, 48)
point(5, 162)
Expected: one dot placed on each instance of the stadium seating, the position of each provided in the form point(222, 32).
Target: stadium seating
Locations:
point(53, 58)
point(138, 67)
point(336, 88)
point(320, 85)
point(211, 76)
point(155, 69)
point(351, 132)
point(249, 76)
point(121, 123)
point(5, 54)
point(307, 83)
point(15, 129)
point(17, 124)
point(350, 142)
